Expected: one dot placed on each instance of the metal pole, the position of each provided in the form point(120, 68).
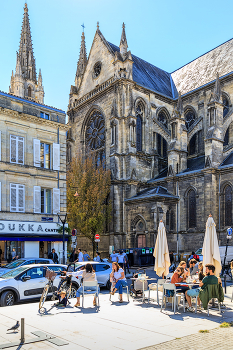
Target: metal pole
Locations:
point(177, 227)
point(22, 340)
point(63, 238)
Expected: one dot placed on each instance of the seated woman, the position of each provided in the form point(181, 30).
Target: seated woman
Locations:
point(88, 275)
point(179, 277)
point(183, 264)
point(118, 275)
point(194, 292)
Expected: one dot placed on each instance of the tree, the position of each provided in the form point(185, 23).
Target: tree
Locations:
point(89, 211)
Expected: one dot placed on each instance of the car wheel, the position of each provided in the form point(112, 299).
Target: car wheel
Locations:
point(7, 298)
point(108, 285)
point(73, 292)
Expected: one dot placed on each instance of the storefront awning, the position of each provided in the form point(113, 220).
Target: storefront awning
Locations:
point(48, 238)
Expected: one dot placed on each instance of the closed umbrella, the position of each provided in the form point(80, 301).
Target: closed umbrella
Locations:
point(161, 252)
point(210, 250)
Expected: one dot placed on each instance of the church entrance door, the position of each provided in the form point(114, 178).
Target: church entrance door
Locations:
point(141, 241)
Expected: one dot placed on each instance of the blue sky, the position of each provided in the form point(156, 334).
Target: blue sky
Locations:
point(167, 34)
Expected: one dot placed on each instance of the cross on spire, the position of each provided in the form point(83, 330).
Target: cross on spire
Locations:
point(82, 25)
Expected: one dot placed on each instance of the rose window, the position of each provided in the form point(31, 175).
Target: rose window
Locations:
point(97, 70)
point(95, 131)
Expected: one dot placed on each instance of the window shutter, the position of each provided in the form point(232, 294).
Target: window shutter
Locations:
point(56, 200)
point(36, 147)
point(13, 190)
point(0, 147)
point(56, 156)
point(21, 204)
point(37, 199)
point(21, 150)
point(13, 146)
point(0, 196)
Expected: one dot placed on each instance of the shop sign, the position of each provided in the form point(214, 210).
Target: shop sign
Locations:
point(28, 227)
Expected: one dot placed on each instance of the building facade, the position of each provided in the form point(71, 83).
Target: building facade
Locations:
point(167, 138)
point(32, 162)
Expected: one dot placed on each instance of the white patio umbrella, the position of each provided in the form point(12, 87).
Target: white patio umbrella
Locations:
point(161, 252)
point(210, 250)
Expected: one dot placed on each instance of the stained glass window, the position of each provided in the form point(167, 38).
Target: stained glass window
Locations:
point(192, 209)
point(162, 118)
point(228, 206)
point(226, 106)
point(139, 114)
point(95, 131)
point(189, 118)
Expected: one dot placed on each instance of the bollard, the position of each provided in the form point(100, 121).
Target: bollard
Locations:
point(225, 283)
point(22, 340)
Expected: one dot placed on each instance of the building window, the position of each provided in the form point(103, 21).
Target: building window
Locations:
point(174, 130)
point(226, 106)
point(161, 146)
point(29, 89)
point(95, 135)
point(162, 118)
point(196, 144)
point(228, 206)
point(191, 209)
point(96, 69)
point(16, 149)
point(44, 115)
point(46, 201)
point(45, 161)
point(113, 133)
point(17, 198)
point(139, 115)
point(189, 118)
point(226, 138)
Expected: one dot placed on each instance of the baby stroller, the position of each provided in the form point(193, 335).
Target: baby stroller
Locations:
point(136, 288)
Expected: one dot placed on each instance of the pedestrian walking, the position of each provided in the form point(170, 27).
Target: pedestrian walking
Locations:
point(98, 258)
point(113, 256)
point(13, 254)
point(86, 256)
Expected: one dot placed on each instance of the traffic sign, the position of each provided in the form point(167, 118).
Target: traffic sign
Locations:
point(229, 231)
point(74, 232)
point(97, 238)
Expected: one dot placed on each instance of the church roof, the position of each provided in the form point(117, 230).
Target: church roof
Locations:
point(150, 76)
point(195, 164)
point(158, 192)
point(203, 69)
point(228, 160)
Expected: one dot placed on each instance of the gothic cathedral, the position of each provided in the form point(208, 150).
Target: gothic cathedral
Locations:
point(167, 138)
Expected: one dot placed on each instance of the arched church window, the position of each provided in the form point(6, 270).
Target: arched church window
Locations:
point(228, 206)
point(161, 146)
point(189, 118)
point(226, 105)
point(172, 221)
point(96, 69)
point(95, 131)
point(29, 91)
point(162, 118)
point(191, 209)
point(226, 138)
point(139, 115)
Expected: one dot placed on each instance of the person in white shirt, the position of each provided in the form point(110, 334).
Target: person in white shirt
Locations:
point(118, 276)
point(121, 259)
point(88, 274)
point(113, 256)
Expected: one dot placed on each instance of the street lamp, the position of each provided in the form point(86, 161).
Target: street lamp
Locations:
point(62, 217)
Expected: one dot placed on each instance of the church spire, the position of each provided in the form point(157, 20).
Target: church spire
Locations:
point(26, 54)
point(81, 65)
point(123, 43)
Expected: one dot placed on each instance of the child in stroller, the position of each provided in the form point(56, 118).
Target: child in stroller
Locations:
point(136, 288)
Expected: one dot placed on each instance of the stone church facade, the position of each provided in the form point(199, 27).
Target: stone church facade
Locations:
point(167, 138)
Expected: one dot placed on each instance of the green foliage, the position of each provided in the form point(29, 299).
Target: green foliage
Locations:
point(204, 331)
point(89, 212)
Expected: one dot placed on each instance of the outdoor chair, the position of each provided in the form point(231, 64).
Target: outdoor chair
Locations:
point(94, 289)
point(127, 292)
point(169, 275)
point(175, 298)
point(155, 286)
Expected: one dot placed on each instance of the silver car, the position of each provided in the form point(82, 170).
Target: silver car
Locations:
point(23, 262)
point(102, 269)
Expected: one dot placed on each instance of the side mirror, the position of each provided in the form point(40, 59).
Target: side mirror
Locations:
point(26, 278)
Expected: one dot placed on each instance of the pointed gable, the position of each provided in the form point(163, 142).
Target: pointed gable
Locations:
point(102, 53)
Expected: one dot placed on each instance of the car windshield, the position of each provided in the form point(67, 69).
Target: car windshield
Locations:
point(15, 272)
point(14, 264)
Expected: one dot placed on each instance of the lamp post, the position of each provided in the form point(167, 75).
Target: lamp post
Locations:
point(62, 217)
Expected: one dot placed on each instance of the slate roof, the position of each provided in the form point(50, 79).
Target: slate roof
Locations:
point(161, 175)
point(154, 78)
point(203, 69)
point(195, 164)
point(158, 192)
point(228, 160)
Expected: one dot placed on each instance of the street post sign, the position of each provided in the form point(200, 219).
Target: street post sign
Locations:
point(74, 232)
point(97, 238)
point(229, 232)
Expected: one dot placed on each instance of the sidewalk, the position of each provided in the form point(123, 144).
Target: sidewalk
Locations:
point(127, 326)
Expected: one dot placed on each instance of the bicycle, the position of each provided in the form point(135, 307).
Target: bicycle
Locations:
point(50, 275)
point(66, 283)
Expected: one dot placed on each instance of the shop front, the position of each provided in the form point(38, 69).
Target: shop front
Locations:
point(25, 239)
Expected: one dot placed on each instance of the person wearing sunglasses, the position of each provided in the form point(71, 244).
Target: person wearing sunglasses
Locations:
point(179, 277)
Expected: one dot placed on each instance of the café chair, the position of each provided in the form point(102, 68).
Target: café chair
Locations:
point(175, 297)
point(155, 286)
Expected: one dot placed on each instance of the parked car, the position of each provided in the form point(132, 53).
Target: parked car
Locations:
point(102, 269)
point(222, 250)
point(22, 262)
point(27, 282)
